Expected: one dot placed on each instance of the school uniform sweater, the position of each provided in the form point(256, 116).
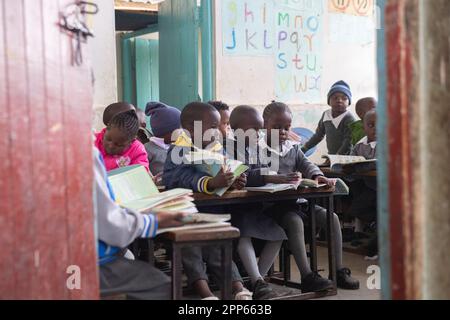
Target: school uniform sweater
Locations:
point(337, 131)
point(117, 228)
point(157, 154)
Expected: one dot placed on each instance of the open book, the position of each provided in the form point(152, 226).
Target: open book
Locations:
point(135, 189)
point(211, 163)
point(273, 188)
point(339, 163)
point(200, 221)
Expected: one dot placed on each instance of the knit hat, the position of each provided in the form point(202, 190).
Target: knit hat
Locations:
point(342, 87)
point(163, 118)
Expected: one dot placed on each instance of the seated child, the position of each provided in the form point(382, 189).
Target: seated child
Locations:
point(178, 174)
point(143, 135)
point(118, 144)
point(278, 120)
point(224, 111)
point(334, 123)
point(114, 109)
point(362, 107)
point(164, 120)
point(117, 229)
point(254, 220)
point(364, 192)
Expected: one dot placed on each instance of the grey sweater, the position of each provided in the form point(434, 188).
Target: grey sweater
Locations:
point(338, 139)
point(156, 157)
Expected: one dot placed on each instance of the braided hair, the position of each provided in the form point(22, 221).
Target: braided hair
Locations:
point(127, 122)
point(275, 107)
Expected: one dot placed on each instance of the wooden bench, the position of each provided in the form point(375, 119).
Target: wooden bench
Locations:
point(220, 236)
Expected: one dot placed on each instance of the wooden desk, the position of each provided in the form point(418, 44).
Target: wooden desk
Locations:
point(312, 195)
point(221, 237)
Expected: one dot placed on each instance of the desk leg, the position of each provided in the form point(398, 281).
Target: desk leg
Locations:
point(226, 270)
point(177, 284)
point(286, 263)
point(330, 239)
point(312, 243)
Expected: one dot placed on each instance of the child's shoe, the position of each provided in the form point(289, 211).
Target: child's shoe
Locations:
point(243, 295)
point(345, 280)
point(263, 291)
point(313, 282)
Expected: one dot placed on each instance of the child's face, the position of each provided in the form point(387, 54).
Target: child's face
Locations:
point(142, 119)
point(248, 125)
point(370, 126)
point(224, 127)
point(339, 103)
point(210, 125)
point(282, 123)
point(115, 142)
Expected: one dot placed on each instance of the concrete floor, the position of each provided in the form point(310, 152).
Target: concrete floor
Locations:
point(357, 265)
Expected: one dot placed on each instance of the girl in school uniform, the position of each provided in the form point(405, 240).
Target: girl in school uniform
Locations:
point(278, 117)
point(118, 144)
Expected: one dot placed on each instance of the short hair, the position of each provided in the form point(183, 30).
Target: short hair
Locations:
point(127, 122)
point(219, 105)
point(195, 111)
point(362, 103)
point(275, 107)
point(114, 109)
point(241, 114)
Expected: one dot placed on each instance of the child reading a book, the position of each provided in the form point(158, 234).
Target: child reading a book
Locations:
point(364, 192)
point(362, 107)
point(278, 120)
point(164, 121)
point(255, 220)
point(179, 174)
point(335, 122)
point(224, 111)
point(117, 229)
point(118, 144)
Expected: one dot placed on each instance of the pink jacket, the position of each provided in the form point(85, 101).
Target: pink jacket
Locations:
point(135, 154)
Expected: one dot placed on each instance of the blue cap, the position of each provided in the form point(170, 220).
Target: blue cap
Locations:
point(342, 87)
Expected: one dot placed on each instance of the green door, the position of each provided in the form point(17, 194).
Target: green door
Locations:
point(178, 38)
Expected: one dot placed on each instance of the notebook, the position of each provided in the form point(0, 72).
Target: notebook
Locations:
point(273, 188)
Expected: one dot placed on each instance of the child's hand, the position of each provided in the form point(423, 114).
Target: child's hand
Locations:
point(240, 182)
point(169, 219)
point(324, 180)
point(291, 178)
point(222, 180)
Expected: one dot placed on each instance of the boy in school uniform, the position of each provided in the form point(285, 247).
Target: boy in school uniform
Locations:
point(364, 192)
point(179, 174)
point(335, 122)
point(362, 107)
point(118, 228)
point(255, 221)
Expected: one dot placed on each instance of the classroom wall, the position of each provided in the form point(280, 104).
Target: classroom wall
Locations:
point(343, 46)
point(102, 51)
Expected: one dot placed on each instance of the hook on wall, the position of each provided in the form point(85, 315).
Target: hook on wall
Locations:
point(73, 20)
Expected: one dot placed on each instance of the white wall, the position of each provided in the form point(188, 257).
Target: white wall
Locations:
point(103, 59)
point(251, 79)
